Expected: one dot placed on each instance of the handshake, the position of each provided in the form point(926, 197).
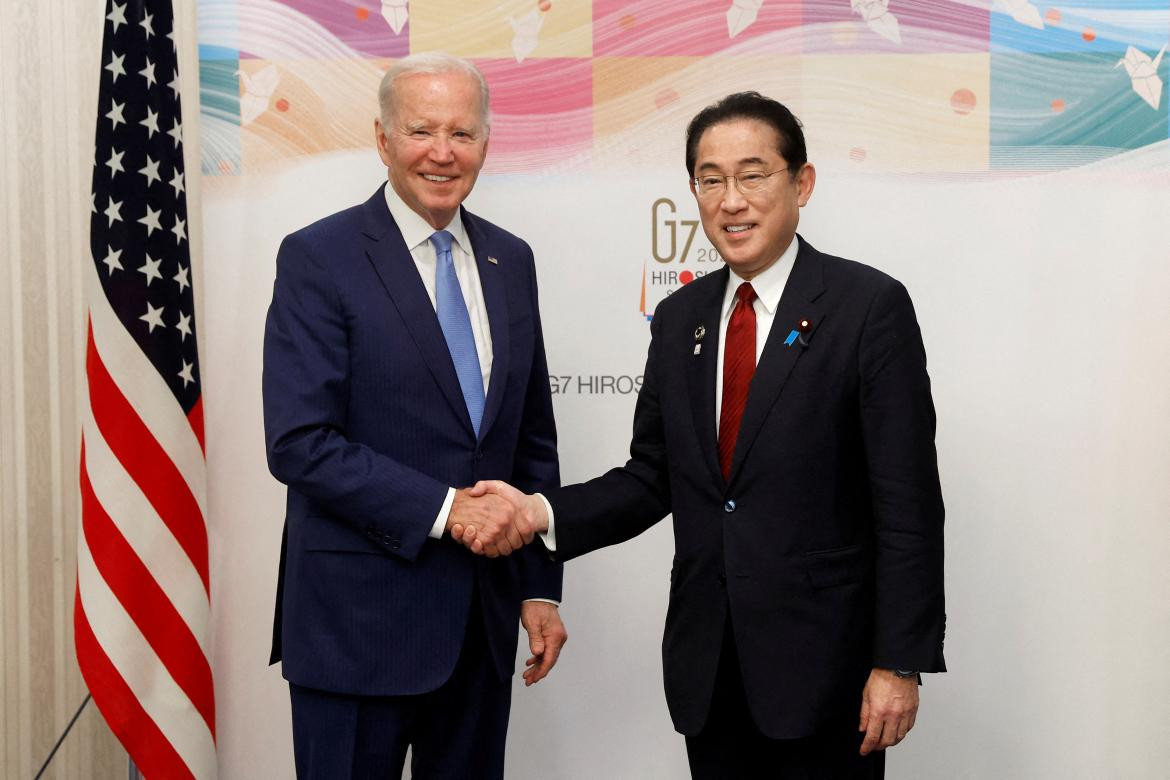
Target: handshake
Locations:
point(493, 518)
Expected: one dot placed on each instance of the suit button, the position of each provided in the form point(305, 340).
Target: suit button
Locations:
point(395, 544)
point(729, 506)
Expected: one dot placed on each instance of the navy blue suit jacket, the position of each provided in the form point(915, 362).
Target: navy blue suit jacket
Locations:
point(365, 422)
point(825, 546)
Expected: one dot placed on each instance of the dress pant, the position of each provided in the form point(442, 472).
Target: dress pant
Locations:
point(456, 732)
point(731, 746)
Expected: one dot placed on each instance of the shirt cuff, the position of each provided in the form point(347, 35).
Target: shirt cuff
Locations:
point(546, 601)
point(441, 521)
point(549, 537)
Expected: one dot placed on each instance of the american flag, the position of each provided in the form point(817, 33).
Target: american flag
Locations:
point(142, 607)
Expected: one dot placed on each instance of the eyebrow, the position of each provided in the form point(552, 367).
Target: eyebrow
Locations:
point(743, 162)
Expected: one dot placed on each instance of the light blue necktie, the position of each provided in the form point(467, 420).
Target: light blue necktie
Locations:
point(456, 325)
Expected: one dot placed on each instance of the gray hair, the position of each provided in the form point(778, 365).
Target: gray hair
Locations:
point(430, 63)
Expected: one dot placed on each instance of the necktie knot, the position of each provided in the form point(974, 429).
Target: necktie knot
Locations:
point(442, 241)
point(745, 293)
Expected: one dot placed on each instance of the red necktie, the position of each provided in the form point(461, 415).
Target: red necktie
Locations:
point(739, 364)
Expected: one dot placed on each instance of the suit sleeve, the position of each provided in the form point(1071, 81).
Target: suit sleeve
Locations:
point(536, 467)
point(624, 501)
point(306, 387)
point(898, 425)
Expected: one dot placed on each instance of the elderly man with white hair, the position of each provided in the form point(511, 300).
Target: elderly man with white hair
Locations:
point(403, 362)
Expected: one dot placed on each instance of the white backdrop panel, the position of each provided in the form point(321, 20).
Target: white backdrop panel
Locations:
point(1043, 303)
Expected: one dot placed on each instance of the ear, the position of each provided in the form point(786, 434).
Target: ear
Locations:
point(691, 182)
point(806, 179)
point(382, 142)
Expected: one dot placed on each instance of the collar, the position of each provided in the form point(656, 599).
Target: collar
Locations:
point(415, 230)
point(768, 284)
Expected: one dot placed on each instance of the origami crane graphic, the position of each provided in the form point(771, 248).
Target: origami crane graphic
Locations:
point(258, 89)
point(741, 15)
point(525, 33)
point(1023, 12)
point(1143, 72)
point(395, 14)
point(877, 15)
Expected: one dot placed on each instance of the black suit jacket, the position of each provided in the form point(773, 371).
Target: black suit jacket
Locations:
point(366, 424)
point(826, 543)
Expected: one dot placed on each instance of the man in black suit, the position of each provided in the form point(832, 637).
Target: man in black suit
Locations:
point(786, 421)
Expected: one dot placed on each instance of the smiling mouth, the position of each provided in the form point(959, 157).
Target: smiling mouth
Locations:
point(436, 178)
point(737, 229)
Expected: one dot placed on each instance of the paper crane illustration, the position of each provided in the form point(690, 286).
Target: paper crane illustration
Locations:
point(525, 33)
point(877, 15)
point(741, 15)
point(1143, 72)
point(258, 89)
point(1023, 12)
point(395, 14)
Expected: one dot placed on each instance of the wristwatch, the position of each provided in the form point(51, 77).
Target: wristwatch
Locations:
point(905, 674)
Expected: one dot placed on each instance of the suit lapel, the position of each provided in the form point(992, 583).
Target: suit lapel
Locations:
point(701, 375)
point(395, 267)
point(495, 297)
point(799, 300)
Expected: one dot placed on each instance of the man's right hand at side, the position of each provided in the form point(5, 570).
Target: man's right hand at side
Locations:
point(491, 520)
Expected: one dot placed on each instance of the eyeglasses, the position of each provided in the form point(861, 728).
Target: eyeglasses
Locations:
point(711, 185)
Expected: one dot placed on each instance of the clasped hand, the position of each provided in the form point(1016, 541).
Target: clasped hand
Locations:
point(493, 518)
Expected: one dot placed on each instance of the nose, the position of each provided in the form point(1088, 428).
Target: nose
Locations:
point(733, 199)
point(441, 148)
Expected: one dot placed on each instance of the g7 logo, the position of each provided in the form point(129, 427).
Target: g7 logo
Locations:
point(671, 227)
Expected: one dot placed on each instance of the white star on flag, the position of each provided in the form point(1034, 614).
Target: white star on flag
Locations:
point(185, 374)
point(174, 84)
point(112, 211)
point(184, 325)
point(115, 66)
point(153, 317)
point(115, 114)
point(177, 182)
point(115, 163)
point(151, 220)
point(150, 123)
point(145, 24)
point(148, 73)
point(181, 278)
point(180, 230)
point(112, 261)
point(150, 270)
point(118, 15)
point(150, 171)
point(176, 132)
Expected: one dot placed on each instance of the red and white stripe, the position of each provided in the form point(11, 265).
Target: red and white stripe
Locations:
point(142, 611)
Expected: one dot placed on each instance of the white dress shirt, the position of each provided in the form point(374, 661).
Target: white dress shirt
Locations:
point(769, 286)
point(417, 235)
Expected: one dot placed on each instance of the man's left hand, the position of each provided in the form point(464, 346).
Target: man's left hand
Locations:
point(889, 705)
point(546, 636)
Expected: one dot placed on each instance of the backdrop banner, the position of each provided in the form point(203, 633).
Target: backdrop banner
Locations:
point(1009, 163)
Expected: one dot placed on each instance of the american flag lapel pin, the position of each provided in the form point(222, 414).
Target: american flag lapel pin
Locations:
point(493, 260)
point(700, 332)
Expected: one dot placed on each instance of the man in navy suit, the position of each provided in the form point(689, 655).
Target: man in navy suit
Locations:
point(786, 420)
point(404, 361)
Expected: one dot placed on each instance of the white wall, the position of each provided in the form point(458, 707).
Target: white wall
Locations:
point(1044, 306)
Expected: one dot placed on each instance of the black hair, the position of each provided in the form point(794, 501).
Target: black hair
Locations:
point(750, 105)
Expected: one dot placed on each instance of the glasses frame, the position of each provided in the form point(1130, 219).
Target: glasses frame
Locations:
point(764, 185)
